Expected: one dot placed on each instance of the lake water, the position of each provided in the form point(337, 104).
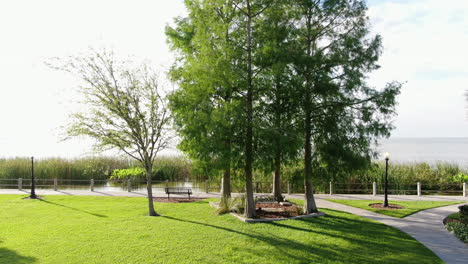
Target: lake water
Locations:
point(430, 150)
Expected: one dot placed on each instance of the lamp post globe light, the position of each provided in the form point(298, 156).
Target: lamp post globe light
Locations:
point(387, 157)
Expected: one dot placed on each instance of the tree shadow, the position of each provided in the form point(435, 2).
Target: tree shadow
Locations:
point(103, 193)
point(12, 257)
point(72, 208)
point(301, 249)
point(66, 193)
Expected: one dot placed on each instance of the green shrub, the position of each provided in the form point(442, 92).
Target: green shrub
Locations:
point(299, 210)
point(132, 173)
point(463, 213)
point(228, 205)
point(459, 229)
point(460, 177)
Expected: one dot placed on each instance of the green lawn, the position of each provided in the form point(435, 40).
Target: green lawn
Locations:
point(65, 229)
point(410, 207)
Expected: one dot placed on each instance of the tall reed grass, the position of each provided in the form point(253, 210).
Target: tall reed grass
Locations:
point(401, 175)
point(98, 168)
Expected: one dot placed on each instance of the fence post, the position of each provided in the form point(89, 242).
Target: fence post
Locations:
point(91, 187)
point(464, 190)
point(374, 188)
point(55, 184)
point(289, 187)
point(331, 188)
point(20, 184)
point(221, 187)
point(419, 189)
point(207, 184)
point(129, 185)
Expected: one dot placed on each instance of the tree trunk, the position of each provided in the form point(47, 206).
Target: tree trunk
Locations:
point(249, 199)
point(226, 188)
point(149, 188)
point(227, 182)
point(310, 206)
point(277, 177)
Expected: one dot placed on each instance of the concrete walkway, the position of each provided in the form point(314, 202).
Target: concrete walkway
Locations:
point(159, 193)
point(425, 226)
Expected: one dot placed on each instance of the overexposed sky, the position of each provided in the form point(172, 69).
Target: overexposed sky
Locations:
point(425, 45)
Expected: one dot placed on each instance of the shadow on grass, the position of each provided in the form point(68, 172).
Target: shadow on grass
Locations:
point(327, 239)
point(72, 208)
point(103, 193)
point(12, 257)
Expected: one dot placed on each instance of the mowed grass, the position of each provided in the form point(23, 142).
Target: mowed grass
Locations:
point(411, 207)
point(71, 229)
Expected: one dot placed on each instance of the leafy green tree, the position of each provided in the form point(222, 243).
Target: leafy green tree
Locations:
point(126, 109)
point(342, 115)
point(278, 139)
point(205, 109)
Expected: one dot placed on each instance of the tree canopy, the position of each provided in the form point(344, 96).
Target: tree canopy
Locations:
point(125, 108)
point(263, 81)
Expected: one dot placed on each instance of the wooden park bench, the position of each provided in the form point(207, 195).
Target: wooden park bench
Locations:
point(178, 190)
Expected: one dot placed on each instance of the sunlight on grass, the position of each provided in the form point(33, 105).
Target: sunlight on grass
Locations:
point(411, 207)
point(64, 229)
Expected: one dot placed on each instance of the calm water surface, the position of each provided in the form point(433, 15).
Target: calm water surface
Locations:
point(431, 150)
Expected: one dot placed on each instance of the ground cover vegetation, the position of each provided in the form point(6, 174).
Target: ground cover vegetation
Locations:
point(263, 82)
point(409, 207)
point(402, 176)
point(458, 223)
point(64, 229)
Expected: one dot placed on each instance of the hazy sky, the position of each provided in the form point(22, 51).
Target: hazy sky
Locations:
point(425, 45)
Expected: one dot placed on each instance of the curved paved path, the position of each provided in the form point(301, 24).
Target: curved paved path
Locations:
point(425, 226)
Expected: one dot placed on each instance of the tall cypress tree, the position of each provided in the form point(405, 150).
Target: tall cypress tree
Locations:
point(342, 115)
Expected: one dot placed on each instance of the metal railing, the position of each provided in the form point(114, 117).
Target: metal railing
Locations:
point(372, 188)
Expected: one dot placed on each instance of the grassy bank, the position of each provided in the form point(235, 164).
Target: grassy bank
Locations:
point(64, 229)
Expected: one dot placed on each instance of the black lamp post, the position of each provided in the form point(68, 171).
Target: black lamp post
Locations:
point(33, 185)
point(387, 157)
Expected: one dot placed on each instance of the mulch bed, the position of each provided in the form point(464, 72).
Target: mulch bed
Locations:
point(390, 206)
point(450, 220)
point(286, 211)
point(176, 200)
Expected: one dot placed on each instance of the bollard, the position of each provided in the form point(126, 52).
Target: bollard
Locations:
point(289, 188)
point(374, 189)
point(221, 188)
point(91, 187)
point(55, 184)
point(207, 186)
point(464, 190)
point(419, 189)
point(20, 184)
point(129, 185)
point(331, 188)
